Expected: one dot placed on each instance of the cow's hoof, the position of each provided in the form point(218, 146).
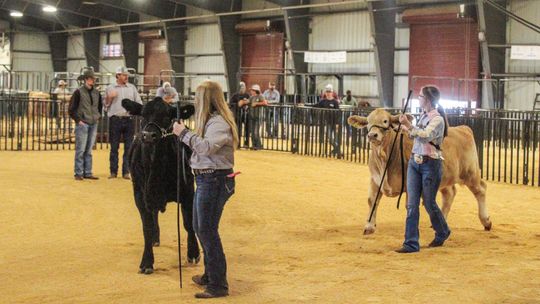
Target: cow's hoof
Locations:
point(369, 230)
point(193, 261)
point(155, 244)
point(487, 227)
point(148, 270)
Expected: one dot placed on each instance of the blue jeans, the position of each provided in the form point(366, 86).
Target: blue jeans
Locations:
point(120, 127)
point(213, 191)
point(85, 138)
point(423, 179)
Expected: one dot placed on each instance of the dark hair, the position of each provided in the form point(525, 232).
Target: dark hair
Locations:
point(348, 96)
point(433, 94)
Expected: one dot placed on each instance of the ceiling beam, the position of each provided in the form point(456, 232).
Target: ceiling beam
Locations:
point(35, 10)
point(218, 6)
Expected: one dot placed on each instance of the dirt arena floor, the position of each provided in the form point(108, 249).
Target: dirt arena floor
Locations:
point(292, 234)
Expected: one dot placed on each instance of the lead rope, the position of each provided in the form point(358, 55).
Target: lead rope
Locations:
point(374, 207)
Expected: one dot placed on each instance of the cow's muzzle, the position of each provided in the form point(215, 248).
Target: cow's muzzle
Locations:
point(149, 137)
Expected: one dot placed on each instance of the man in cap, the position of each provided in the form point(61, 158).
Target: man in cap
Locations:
point(239, 112)
point(85, 109)
point(329, 88)
point(256, 103)
point(121, 124)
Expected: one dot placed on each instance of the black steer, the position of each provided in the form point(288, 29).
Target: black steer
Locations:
point(153, 166)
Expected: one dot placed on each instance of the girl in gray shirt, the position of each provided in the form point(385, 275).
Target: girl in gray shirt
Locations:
point(213, 143)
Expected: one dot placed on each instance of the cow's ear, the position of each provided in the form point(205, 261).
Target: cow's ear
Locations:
point(184, 111)
point(358, 122)
point(394, 119)
point(132, 107)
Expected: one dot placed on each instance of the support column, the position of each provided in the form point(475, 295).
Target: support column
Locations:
point(175, 34)
point(91, 48)
point(492, 28)
point(58, 45)
point(383, 31)
point(297, 32)
point(130, 43)
point(230, 45)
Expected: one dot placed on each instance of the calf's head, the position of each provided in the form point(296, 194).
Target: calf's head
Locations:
point(378, 124)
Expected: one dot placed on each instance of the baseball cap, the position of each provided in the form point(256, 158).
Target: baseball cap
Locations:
point(122, 70)
point(329, 88)
point(256, 87)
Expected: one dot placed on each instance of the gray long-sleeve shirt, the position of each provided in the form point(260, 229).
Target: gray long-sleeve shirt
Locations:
point(213, 151)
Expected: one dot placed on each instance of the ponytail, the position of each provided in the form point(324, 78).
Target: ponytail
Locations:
point(441, 111)
point(433, 94)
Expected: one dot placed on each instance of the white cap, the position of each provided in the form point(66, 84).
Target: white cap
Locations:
point(166, 84)
point(329, 88)
point(242, 84)
point(61, 82)
point(256, 87)
point(122, 70)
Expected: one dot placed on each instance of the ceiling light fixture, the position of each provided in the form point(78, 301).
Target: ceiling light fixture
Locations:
point(16, 14)
point(49, 9)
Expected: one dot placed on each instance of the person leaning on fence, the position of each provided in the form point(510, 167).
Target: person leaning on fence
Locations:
point(272, 96)
point(213, 144)
point(85, 109)
point(168, 93)
point(329, 88)
point(60, 96)
point(239, 112)
point(424, 172)
point(256, 104)
point(121, 124)
point(329, 119)
point(349, 100)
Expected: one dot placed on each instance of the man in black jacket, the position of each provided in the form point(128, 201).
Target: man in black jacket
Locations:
point(85, 109)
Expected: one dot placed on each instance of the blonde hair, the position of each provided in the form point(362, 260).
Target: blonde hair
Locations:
point(209, 98)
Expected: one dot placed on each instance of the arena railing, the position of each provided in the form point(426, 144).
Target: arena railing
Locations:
point(507, 141)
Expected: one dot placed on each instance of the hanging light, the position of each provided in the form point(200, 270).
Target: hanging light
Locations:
point(16, 14)
point(49, 9)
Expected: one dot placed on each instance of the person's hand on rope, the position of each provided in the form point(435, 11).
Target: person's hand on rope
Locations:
point(404, 121)
point(178, 127)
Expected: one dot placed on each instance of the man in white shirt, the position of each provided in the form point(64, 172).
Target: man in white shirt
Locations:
point(121, 124)
point(272, 96)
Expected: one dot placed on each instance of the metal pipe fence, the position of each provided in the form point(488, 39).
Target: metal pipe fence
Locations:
point(507, 141)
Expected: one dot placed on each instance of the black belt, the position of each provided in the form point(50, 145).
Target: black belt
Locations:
point(122, 117)
point(210, 171)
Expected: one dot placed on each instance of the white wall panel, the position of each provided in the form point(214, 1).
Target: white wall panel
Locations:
point(75, 49)
point(401, 89)
point(520, 94)
point(204, 39)
point(27, 41)
point(340, 32)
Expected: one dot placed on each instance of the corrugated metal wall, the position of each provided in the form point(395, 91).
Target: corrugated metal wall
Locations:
point(75, 49)
point(25, 61)
point(401, 61)
point(345, 31)
point(204, 39)
point(520, 94)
